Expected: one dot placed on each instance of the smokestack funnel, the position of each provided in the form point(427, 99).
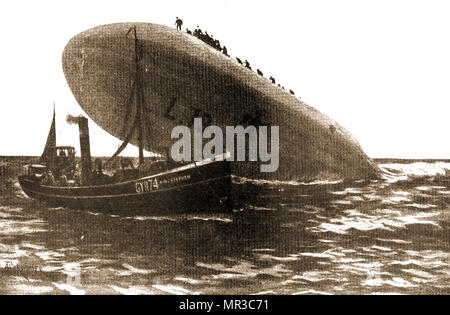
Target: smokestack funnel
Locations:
point(85, 148)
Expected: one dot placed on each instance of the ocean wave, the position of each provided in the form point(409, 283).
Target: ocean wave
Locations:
point(133, 290)
point(311, 292)
point(31, 289)
point(244, 270)
point(263, 182)
point(175, 290)
point(399, 171)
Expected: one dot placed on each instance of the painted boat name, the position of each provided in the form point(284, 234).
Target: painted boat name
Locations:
point(152, 184)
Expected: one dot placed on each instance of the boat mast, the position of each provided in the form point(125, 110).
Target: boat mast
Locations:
point(138, 95)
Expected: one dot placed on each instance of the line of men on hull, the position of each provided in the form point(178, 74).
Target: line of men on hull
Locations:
point(215, 43)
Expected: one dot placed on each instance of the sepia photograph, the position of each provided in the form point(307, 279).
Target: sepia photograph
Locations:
point(248, 149)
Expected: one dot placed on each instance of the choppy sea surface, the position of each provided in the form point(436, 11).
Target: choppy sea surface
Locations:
point(390, 236)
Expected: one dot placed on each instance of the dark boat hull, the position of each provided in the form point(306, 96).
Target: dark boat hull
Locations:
point(202, 188)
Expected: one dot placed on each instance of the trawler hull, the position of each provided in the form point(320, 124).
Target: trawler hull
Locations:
point(203, 188)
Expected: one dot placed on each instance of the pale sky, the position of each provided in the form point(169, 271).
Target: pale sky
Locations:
point(380, 68)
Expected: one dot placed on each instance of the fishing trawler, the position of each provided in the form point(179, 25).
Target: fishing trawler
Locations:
point(164, 186)
point(154, 186)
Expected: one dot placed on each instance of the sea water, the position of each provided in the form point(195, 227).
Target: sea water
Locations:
point(378, 237)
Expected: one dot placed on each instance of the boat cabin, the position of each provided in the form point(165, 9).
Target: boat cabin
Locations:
point(65, 156)
point(65, 151)
point(65, 161)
